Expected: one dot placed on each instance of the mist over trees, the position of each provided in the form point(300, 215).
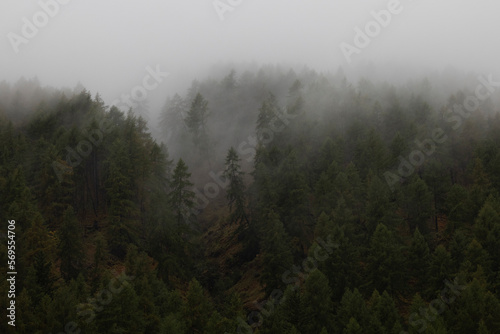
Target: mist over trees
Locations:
point(273, 199)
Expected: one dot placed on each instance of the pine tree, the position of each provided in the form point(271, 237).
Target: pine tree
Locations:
point(172, 118)
point(384, 311)
point(196, 121)
point(277, 256)
point(122, 313)
point(121, 191)
point(101, 253)
point(291, 306)
point(267, 112)
point(44, 276)
point(352, 327)
point(379, 207)
point(235, 192)
point(440, 269)
point(70, 246)
point(351, 306)
point(482, 328)
point(481, 187)
point(419, 259)
point(386, 265)
point(417, 202)
point(172, 324)
point(473, 304)
point(317, 302)
point(476, 262)
point(181, 199)
point(229, 82)
point(198, 308)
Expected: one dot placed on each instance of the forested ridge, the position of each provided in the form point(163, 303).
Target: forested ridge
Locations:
point(269, 200)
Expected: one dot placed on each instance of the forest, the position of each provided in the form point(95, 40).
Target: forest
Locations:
point(260, 200)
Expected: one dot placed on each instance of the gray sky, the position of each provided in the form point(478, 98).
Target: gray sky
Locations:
point(106, 45)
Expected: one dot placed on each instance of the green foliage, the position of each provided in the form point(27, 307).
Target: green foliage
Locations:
point(440, 269)
point(70, 247)
point(196, 120)
point(197, 309)
point(352, 306)
point(180, 196)
point(419, 259)
point(235, 191)
point(386, 264)
point(277, 256)
point(417, 202)
point(317, 302)
point(92, 192)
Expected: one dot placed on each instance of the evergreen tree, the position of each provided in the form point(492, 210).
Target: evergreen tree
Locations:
point(384, 312)
point(196, 121)
point(172, 117)
point(122, 313)
point(267, 112)
point(277, 256)
point(317, 303)
point(351, 306)
point(180, 197)
point(198, 308)
point(378, 207)
point(235, 192)
point(419, 259)
point(352, 327)
point(440, 269)
point(70, 246)
point(417, 202)
point(386, 266)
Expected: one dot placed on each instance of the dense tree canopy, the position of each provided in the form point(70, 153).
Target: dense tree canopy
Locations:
point(298, 203)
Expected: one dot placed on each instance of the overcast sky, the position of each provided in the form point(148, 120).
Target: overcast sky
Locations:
point(107, 44)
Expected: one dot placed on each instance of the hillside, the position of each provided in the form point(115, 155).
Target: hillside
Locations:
point(267, 201)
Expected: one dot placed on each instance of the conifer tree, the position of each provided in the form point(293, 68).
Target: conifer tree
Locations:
point(317, 302)
point(385, 313)
point(276, 252)
point(198, 308)
point(267, 112)
point(352, 327)
point(172, 117)
point(70, 246)
point(419, 259)
point(181, 199)
point(440, 269)
point(386, 265)
point(235, 191)
point(417, 202)
point(352, 306)
point(196, 121)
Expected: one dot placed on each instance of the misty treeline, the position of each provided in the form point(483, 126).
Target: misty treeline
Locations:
point(279, 200)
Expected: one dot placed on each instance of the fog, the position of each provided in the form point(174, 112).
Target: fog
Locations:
point(211, 147)
point(107, 45)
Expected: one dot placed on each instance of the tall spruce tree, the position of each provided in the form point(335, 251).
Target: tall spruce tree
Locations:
point(70, 246)
point(196, 121)
point(181, 198)
point(235, 191)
